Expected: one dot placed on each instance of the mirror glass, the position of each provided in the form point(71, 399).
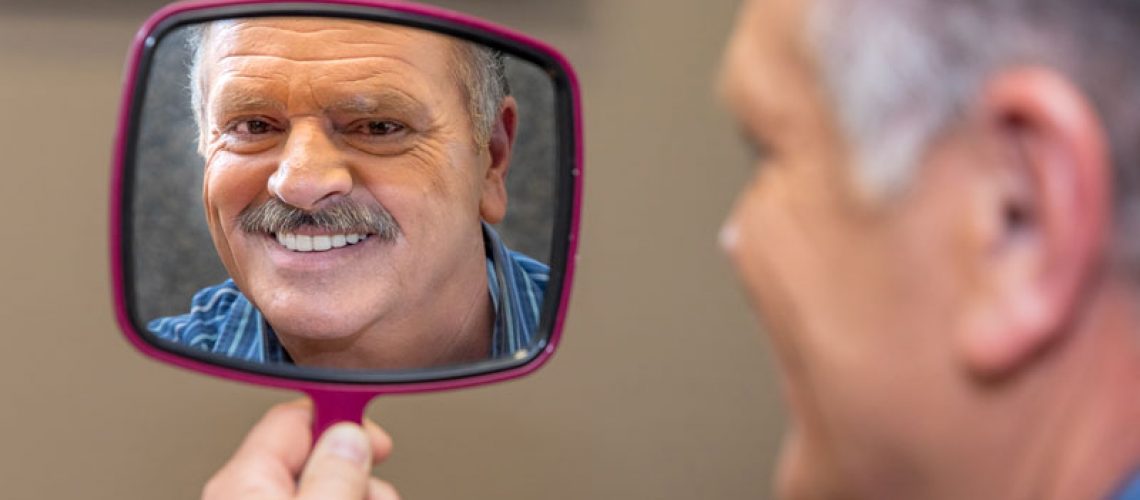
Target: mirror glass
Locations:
point(342, 195)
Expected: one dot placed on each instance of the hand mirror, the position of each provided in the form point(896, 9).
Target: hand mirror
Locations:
point(347, 198)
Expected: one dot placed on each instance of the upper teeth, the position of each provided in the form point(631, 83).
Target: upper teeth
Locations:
point(306, 243)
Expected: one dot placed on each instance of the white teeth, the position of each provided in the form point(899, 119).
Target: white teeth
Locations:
point(304, 243)
point(322, 243)
point(319, 243)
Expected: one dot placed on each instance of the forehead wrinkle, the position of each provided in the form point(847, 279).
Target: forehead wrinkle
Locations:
point(297, 30)
point(300, 59)
point(383, 88)
point(258, 77)
point(372, 43)
point(232, 49)
point(266, 40)
point(322, 25)
point(359, 79)
point(388, 65)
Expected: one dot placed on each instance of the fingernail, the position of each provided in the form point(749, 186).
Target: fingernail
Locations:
point(347, 441)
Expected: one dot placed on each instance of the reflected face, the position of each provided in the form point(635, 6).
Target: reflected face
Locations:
point(316, 114)
point(854, 293)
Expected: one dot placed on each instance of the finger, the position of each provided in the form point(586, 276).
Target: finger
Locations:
point(381, 441)
point(381, 490)
point(269, 458)
point(339, 465)
point(283, 436)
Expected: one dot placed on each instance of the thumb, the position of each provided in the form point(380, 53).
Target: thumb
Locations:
point(339, 466)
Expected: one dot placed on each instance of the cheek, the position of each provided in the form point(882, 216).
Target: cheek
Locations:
point(809, 272)
point(799, 259)
point(422, 190)
point(760, 241)
point(781, 271)
point(230, 186)
point(856, 306)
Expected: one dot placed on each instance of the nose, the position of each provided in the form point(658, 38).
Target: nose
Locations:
point(311, 168)
point(729, 237)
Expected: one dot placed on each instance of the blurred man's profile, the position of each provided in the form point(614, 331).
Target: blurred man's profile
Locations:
point(941, 240)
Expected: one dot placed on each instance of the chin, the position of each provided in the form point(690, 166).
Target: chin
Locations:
point(790, 483)
point(312, 323)
point(801, 475)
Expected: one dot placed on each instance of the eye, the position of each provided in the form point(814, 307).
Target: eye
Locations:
point(382, 127)
point(251, 134)
point(758, 149)
point(251, 126)
point(379, 136)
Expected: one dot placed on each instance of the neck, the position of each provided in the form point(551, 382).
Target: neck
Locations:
point(1080, 437)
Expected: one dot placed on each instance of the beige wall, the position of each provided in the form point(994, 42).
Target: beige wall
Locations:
point(662, 389)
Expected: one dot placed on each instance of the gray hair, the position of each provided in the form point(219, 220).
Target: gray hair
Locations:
point(484, 74)
point(901, 71)
point(481, 69)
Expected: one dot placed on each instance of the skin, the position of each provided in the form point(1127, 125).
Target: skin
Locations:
point(278, 460)
point(312, 111)
point(972, 337)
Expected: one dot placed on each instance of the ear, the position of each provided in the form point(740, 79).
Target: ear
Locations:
point(1047, 205)
point(493, 203)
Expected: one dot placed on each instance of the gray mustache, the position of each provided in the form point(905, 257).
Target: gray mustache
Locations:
point(343, 216)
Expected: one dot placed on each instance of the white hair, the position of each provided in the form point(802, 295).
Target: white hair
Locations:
point(901, 71)
point(481, 70)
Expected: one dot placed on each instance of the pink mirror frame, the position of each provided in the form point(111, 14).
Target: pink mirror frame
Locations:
point(333, 401)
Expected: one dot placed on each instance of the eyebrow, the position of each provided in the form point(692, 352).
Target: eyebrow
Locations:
point(376, 102)
point(240, 100)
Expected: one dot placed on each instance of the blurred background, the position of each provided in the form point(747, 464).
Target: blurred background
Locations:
point(662, 389)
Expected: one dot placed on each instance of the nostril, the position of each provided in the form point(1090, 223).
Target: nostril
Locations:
point(306, 187)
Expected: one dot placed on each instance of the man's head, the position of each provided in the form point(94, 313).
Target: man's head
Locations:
point(348, 167)
point(939, 233)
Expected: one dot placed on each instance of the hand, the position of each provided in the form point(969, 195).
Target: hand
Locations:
point(274, 454)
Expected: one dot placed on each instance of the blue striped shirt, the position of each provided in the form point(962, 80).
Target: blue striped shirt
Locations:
point(1131, 489)
point(223, 321)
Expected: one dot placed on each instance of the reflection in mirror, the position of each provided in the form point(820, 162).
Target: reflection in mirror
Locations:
point(341, 193)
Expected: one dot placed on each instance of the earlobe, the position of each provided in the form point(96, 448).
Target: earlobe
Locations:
point(1051, 210)
point(493, 203)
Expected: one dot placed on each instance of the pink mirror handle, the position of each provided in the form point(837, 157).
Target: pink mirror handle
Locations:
point(331, 407)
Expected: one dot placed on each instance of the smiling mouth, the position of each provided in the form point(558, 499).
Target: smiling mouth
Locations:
point(318, 243)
